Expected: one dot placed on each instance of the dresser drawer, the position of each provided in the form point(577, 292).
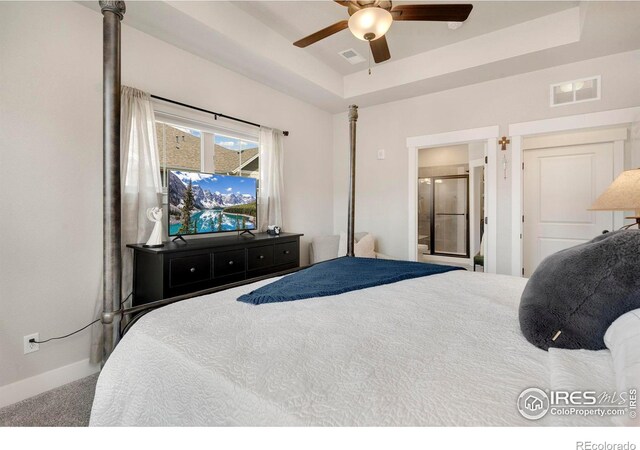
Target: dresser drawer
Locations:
point(259, 257)
point(228, 263)
point(285, 253)
point(189, 269)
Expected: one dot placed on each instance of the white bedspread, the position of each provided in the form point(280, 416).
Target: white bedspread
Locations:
point(438, 350)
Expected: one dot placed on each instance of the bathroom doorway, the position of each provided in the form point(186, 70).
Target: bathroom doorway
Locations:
point(474, 154)
point(451, 204)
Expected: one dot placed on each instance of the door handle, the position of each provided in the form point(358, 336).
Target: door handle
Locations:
point(193, 269)
point(231, 263)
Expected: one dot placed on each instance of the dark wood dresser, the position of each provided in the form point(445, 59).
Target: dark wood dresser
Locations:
point(181, 268)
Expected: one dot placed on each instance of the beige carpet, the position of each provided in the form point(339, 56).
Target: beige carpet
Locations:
point(66, 406)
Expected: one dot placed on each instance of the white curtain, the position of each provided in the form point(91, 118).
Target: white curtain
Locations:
point(141, 186)
point(140, 174)
point(271, 173)
point(635, 143)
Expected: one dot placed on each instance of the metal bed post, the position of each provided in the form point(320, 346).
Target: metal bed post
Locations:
point(353, 118)
point(113, 12)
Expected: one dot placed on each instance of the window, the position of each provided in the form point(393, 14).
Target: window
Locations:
point(195, 146)
point(576, 91)
point(235, 156)
point(179, 148)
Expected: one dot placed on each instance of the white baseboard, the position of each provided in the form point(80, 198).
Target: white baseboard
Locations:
point(23, 389)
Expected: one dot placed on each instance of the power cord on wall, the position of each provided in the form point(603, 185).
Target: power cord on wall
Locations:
point(33, 341)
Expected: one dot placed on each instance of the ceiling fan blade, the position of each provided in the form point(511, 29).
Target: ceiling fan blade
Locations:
point(440, 13)
point(380, 49)
point(325, 32)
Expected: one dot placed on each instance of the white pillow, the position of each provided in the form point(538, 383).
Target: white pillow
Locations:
point(623, 339)
point(363, 247)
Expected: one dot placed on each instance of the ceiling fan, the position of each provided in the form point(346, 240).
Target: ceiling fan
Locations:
point(370, 20)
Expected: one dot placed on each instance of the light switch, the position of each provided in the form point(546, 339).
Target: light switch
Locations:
point(381, 153)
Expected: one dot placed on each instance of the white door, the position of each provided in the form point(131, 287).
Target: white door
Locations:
point(560, 184)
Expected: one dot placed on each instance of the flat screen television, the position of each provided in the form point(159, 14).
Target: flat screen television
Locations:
point(202, 203)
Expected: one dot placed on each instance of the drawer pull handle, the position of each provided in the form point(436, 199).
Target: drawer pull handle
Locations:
point(261, 257)
point(231, 263)
point(193, 269)
point(286, 252)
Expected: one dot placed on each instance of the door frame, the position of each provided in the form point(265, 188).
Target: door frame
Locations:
point(474, 164)
point(518, 131)
point(489, 135)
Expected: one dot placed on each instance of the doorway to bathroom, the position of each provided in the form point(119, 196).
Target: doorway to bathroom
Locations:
point(477, 149)
point(451, 204)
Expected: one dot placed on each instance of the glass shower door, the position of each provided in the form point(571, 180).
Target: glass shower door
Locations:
point(451, 215)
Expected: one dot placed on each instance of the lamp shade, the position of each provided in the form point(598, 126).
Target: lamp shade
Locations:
point(370, 23)
point(622, 195)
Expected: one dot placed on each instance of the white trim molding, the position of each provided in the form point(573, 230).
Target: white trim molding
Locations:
point(491, 225)
point(577, 122)
point(29, 387)
point(585, 122)
point(575, 138)
point(474, 219)
point(487, 134)
point(452, 137)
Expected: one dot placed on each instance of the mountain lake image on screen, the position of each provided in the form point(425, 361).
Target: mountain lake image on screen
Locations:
point(201, 203)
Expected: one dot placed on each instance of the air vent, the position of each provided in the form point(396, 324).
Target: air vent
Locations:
point(352, 56)
point(576, 91)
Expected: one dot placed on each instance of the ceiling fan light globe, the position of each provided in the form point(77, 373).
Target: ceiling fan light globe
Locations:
point(370, 21)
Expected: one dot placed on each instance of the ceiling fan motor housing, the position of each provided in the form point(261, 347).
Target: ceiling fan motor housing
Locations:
point(360, 4)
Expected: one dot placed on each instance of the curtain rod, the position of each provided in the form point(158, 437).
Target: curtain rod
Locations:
point(286, 133)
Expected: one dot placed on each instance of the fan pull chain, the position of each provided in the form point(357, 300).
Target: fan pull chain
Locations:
point(369, 53)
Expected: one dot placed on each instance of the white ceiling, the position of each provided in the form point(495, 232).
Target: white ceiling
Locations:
point(296, 19)
point(499, 39)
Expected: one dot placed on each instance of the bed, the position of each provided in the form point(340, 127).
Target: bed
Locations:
point(440, 350)
point(433, 351)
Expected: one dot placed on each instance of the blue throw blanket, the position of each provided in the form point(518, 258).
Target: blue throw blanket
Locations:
point(341, 275)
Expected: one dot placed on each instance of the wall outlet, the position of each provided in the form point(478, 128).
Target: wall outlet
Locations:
point(381, 153)
point(30, 347)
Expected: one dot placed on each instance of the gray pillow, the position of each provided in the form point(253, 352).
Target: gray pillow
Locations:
point(580, 291)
